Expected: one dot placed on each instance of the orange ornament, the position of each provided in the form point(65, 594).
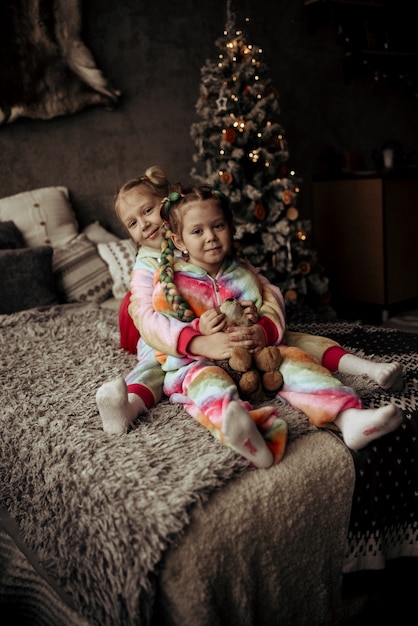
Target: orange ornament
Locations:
point(304, 268)
point(230, 135)
point(226, 177)
point(291, 294)
point(259, 211)
point(292, 213)
point(287, 196)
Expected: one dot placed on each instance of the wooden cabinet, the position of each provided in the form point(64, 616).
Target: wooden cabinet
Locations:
point(365, 231)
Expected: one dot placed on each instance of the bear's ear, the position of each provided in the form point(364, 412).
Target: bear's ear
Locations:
point(233, 312)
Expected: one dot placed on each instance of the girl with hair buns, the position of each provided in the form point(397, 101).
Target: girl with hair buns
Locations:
point(137, 205)
point(120, 401)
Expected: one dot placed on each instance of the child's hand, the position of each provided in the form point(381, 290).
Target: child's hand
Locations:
point(250, 310)
point(216, 347)
point(211, 321)
point(250, 337)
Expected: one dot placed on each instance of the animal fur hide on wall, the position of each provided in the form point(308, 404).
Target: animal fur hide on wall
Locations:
point(45, 68)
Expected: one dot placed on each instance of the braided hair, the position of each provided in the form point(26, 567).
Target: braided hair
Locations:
point(171, 214)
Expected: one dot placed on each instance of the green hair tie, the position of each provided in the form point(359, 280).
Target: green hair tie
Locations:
point(167, 203)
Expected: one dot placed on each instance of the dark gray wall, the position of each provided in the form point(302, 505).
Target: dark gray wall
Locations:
point(153, 52)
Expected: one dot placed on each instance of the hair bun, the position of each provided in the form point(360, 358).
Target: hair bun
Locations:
point(157, 176)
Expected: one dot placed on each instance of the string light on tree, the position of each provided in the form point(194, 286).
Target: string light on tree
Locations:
point(242, 150)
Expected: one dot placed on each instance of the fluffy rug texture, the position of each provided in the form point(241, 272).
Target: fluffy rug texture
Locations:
point(70, 484)
point(125, 525)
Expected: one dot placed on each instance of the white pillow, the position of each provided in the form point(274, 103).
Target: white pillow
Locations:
point(120, 258)
point(44, 216)
point(79, 272)
point(97, 234)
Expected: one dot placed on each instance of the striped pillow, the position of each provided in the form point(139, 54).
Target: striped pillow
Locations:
point(80, 274)
point(120, 258)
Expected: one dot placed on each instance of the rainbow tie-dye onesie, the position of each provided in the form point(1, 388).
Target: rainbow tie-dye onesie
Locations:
point(205, 389)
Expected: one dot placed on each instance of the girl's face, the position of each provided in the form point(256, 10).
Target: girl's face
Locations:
point(205, 235)
point(139, 211)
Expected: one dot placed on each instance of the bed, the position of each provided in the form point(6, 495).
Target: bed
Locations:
point(164, 526)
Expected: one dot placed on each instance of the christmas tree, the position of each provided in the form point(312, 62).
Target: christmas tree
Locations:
point(242, 150)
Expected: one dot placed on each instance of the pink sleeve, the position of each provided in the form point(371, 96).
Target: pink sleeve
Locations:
point(159, 331)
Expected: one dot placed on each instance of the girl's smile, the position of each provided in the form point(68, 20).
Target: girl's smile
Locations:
point(139, 210)
point(205, 235)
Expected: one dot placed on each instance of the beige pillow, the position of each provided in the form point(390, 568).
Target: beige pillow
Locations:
point(44, 216)
point(98, 234)
point(120, 258)
point(79, 272)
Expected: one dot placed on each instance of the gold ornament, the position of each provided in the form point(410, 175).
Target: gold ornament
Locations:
point(301, 235)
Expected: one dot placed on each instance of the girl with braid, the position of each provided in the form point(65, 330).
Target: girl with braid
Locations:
point(120, 401)
point(199, 224)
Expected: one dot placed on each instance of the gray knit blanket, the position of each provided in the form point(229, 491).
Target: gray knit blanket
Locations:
point(99, 511)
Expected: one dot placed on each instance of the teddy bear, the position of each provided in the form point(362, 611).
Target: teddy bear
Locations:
point(257, 374)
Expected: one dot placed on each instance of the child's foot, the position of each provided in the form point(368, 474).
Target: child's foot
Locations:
point(117, 410)
point(386, 375)
point(242, 435)
point(359, 427)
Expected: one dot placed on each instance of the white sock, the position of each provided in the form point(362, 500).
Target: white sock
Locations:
point(117, 408)
point(386, 375)
point(361, 426)
point(242, 435)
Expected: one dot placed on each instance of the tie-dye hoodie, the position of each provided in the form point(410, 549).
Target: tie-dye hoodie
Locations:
point(308, 386)
point(169, 335)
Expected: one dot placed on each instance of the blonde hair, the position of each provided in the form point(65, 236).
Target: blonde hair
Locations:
point(154, 179)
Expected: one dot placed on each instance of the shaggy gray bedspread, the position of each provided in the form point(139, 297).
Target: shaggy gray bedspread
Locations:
point(99, 511)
